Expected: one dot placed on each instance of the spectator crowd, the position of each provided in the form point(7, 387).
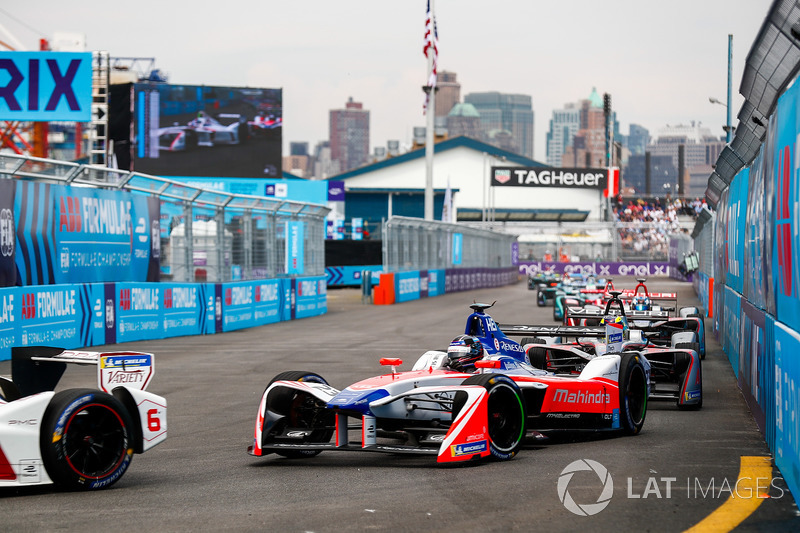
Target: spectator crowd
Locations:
point(645, 225)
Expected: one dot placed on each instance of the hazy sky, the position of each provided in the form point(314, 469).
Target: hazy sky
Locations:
point(660, 60)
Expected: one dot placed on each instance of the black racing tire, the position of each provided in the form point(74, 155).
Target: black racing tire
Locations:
point(322, 435)
point(633, 391)
point(86, 439)
point(688, 345)
point(538, 357)
point(541, 299)
point(506, 423)
point(531, 340)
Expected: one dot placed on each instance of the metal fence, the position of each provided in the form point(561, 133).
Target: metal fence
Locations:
point(206, 235)
point(417, 244)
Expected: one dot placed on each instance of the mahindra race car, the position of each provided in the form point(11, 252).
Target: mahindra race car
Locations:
point(78, 439)
point(676, 368)
point(477, 400)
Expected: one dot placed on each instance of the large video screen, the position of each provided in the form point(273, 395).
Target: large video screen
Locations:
point(194, 130)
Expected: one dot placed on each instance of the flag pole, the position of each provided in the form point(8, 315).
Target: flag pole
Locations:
point(430, 115)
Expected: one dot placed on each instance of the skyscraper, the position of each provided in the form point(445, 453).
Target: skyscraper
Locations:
point(448, 92)
point(507, 120)
point(588, 146)
point(349, 135)
point(563, 127)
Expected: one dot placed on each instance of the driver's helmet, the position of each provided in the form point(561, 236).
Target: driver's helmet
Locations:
point(641, 303)
point(462, 353)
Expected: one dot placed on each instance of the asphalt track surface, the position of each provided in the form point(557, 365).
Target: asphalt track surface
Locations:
point(202, 479)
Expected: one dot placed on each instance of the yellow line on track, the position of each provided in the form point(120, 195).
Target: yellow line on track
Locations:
point(752, 488)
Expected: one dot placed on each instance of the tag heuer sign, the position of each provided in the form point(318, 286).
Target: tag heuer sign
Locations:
point(567, 178)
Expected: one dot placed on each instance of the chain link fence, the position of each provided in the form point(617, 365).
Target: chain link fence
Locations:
point(205, 235)
point(417, 244)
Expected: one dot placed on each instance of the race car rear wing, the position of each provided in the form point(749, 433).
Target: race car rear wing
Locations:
point(581, 313)
point(552, 331)
point(37, 369)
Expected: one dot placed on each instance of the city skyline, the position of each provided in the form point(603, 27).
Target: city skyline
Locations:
point(660, 63)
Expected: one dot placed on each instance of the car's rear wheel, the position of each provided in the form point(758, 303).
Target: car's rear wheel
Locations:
point(541, 300)
point(86, 439)
point(506, 414)
point(300, 410)
point(633, 390)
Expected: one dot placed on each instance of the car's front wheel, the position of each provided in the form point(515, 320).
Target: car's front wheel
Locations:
point(506, 414)
point(632, 393)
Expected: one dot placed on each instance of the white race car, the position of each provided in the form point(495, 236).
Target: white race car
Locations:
point(79, 439)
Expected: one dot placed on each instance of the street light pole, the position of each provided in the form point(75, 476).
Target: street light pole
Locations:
point(728, 131)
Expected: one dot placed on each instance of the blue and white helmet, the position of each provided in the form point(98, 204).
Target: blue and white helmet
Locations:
point(462, 353)
point(641, 303)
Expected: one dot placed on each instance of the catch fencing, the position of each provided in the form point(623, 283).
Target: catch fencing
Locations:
point(202, 234)
point(417, 244)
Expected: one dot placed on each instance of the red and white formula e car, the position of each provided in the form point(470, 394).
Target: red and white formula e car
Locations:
point(79, 439)
point(471, 402)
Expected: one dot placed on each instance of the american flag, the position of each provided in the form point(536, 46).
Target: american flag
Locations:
point(431, 46)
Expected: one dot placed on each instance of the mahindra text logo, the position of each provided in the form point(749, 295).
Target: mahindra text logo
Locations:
point(784, 222)
point(167, 298)
point(6, 232)
point(29, 306)
point(584, 397)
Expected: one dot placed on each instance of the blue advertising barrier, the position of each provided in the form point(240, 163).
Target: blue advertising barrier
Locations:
point(730, 326)
point(340, 276)
point(311, 297)
point(735, 231)
point(406, 286)
point(94, 314)
point(755, 287)
point(787, 397)
point(784, 244)
point(138, 311)
point(70, 234)
point(187, 309)
point(59, 315)
point(754, 364)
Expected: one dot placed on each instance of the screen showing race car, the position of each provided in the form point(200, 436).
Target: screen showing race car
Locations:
point(199, 130)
